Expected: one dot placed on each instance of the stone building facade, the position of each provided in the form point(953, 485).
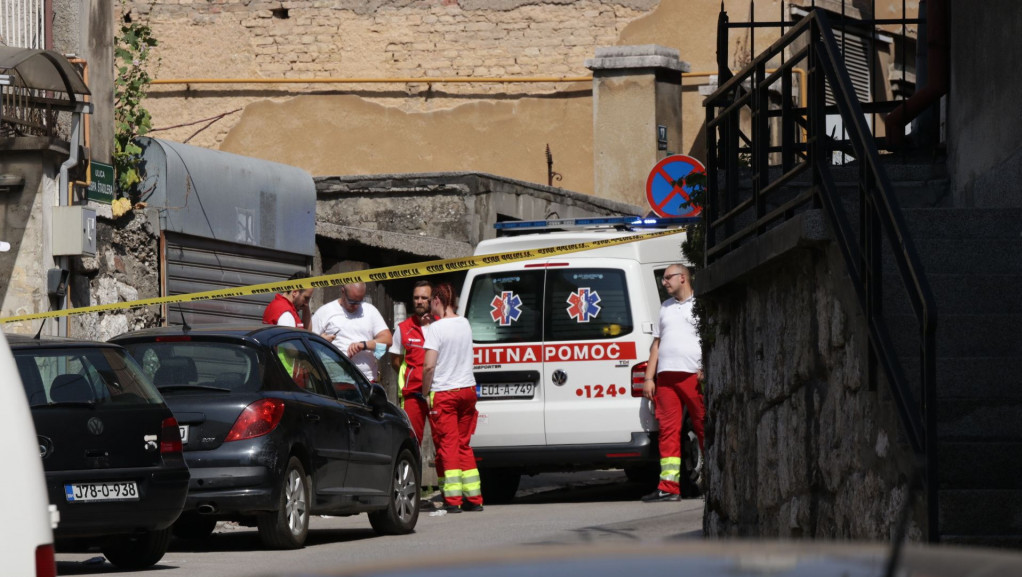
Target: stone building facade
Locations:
point(495, 127)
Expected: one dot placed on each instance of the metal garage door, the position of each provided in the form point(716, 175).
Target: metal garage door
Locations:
point(195, 264)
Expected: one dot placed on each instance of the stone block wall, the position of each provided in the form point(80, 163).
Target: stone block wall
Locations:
point(798, 446)
point(126, 268)
point(315, 38)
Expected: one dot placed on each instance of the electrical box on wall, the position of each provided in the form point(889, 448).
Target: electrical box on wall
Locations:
point(74, 231)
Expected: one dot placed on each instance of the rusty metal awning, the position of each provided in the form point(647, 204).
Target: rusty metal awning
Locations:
point(45, 70)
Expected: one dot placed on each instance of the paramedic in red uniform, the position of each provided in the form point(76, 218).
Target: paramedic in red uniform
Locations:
point(283, 309)
point(672, 378)
point(449, 384)
point(407, 354)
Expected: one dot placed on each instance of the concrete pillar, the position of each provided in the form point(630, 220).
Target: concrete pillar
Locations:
point(636, 89)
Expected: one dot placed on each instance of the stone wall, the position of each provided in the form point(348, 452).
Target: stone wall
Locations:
point(126, 268)
point(797, 444)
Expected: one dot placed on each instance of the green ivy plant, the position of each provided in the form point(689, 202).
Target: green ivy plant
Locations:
point(134, 57)
point(694, 250)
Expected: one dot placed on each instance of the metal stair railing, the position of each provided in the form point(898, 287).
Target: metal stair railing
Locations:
point(734, 216)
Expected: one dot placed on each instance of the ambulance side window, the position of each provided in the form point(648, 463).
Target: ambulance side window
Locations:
point(658, 275)
point(587, 304)
point(506, 307)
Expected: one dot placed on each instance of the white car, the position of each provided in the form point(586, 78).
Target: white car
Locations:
point(27, 518)
point(561, 345)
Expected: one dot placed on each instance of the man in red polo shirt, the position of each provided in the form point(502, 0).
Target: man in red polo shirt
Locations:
point(284, 309)
point(407, 355)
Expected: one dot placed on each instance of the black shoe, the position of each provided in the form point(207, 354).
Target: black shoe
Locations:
point(471, 507)
point(659, 496)
point(452, 509)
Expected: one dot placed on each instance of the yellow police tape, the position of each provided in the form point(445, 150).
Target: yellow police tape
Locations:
point(368, 275)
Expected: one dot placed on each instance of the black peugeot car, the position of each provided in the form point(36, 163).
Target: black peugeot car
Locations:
point(110, 447)
point(277, 425)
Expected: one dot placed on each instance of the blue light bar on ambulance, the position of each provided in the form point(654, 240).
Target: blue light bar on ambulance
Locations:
point(628, 221)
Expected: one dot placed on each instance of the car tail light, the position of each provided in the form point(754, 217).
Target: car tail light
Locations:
point(638, 379)
point(258, 419)
point(45, 561)
point(170, 436)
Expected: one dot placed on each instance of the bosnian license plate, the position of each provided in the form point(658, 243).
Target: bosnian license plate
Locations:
point(184, 433)
point(506, 390)
point(112, 491)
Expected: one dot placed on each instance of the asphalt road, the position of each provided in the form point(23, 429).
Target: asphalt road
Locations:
point(594, 509)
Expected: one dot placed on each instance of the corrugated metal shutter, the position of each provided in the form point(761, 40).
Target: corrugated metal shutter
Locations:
point(856, 53)
point(195, 264)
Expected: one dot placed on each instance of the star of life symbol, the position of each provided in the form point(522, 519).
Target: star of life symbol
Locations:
point(507, 307)
point(583, 304)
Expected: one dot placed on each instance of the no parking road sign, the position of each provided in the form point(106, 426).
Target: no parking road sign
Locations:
point(671, 184)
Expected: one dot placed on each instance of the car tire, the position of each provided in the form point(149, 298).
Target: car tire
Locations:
point(288, 526)
point(132, 552)
point(499, 485)
point(193, 526)
point(402, 512)
point(647, 475)
point(692, 468)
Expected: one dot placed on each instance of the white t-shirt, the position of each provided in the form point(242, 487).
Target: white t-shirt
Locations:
point(286, 319)
point(451, 338)
point(362, 325)
point(679, 348)
point(397, 347)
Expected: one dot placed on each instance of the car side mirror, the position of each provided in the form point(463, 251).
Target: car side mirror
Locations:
point(377, 398)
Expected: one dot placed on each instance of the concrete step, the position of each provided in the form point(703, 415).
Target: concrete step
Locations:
point(959, 294)
point(970, 223)
point(980, 420)
point(963, 256)
point(962, 335)
point(980, 465)
point(988, 541)
point(979, 512)
point(976, 377)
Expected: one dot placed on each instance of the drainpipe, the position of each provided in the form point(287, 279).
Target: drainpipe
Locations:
point(937, 74)
point(63, 199)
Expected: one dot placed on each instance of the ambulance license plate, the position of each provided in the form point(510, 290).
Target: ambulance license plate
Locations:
point(506, 391)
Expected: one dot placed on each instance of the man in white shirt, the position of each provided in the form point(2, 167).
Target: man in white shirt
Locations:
point(672, 378)
point(357, 327)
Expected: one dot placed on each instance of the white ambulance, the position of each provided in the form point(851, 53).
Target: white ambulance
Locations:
point(561, 345)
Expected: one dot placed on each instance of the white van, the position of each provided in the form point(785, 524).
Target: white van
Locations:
point(27, 520)
point(561, 346)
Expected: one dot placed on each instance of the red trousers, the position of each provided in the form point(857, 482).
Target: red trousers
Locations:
point(453, 419)
point(675, 389)
point(417, 410)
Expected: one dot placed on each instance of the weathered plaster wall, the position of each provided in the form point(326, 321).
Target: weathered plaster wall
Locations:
point(797, 445)
point(23, 268)
point(346, 134)
point(386, 128)
point(984, 149)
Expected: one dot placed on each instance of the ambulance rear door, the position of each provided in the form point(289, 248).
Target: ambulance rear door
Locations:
point(592, 341)
point(505, 309)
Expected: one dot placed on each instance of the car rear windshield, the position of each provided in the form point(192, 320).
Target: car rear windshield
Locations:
point(99, 376)
point(199, 365)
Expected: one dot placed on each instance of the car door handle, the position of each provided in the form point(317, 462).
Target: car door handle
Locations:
point(312, 417)
point(355, 424)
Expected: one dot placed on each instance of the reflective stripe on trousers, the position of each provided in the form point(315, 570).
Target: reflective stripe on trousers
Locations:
point(670, 469)
point(452, 483)
point(470, 485)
